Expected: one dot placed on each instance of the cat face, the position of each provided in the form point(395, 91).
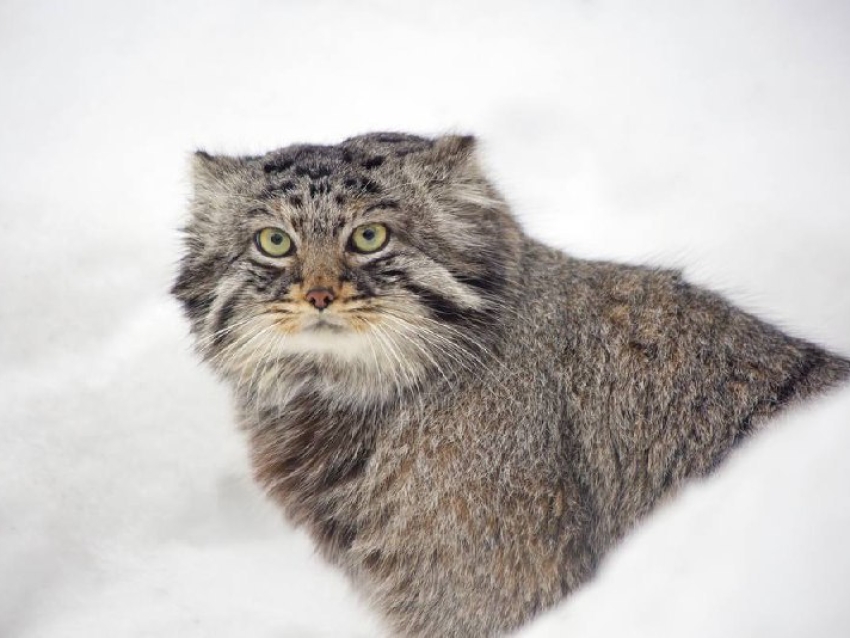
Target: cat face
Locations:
point(383, 259)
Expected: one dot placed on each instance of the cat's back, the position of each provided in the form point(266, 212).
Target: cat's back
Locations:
point(610, 324)
point(660, 378)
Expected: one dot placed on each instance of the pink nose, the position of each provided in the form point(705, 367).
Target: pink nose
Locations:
point(321, 298)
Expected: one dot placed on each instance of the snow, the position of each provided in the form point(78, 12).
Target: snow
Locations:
point(711, 136)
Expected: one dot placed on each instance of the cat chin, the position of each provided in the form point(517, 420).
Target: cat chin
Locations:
point(328, 341)
point(345, 367)
point(328, 357)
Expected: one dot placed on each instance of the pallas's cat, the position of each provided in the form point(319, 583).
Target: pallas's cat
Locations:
point(464, 419)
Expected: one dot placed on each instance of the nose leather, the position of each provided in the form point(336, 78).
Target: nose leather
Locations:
point(321, 298)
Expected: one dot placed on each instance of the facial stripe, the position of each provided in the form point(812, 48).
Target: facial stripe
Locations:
point(376, 264)
point(384, 203)
point(197, 306)
point(262, 276)
point(195, 283)
point(442, 307)
point(489, 282)
point(223, 318)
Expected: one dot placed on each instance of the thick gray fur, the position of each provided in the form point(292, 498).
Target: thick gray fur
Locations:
point(484, 417)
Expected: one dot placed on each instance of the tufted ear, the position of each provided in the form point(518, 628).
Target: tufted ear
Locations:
point(212, 172)
point(215, 179)
point(452, 170)
point(451, 156)
point(455, 148)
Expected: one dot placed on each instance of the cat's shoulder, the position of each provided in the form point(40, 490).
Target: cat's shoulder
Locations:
point(593, 284)
point(616, 302)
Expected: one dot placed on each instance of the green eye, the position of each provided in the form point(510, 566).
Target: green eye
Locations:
point(369, 238)
point(273, 242)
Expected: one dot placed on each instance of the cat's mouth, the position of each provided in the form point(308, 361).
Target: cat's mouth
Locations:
point(345, 338)
point(323, 323)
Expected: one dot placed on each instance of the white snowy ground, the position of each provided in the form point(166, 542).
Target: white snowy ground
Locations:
point(712, 136)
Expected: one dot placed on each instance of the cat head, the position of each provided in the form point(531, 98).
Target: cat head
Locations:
point(371, 264)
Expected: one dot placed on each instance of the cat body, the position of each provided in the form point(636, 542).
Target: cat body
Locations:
point(463, 418)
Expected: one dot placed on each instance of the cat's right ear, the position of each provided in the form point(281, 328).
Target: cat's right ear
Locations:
point(214, 180)
point(212, 175)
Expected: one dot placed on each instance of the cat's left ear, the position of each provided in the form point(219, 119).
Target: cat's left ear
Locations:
point(455, 175)
point(449, 159)
point(453, 156)
point(455, 149)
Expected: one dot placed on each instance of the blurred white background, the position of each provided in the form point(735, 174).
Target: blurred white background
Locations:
point(707, 135)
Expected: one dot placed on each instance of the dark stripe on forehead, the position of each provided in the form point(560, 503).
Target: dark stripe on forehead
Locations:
point(373, 162)
point(370, 187)
point(320, 188)
point(396, 138)
point(323, 224)
point(280, 189)
point(313, 172)
point(305, 160)
point(362, 185)
point(278, 165)
point(402, 152)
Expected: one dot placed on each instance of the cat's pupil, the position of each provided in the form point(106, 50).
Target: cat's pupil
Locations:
point(277, 238)
point(369, 234)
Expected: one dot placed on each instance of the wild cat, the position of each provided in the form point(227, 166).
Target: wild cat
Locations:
point(464, 419)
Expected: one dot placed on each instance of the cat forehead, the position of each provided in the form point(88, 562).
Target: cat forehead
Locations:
point(317, 220)
point(376, 170)
point(359, 173)
point(320, 189)
point(311, 189)
point(364, 152)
